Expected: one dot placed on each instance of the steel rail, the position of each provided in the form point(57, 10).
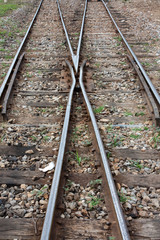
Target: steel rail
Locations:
point(113, 191)
point(154, 91)
point(47, 226)
point(147, 91)
point(9, 89)
point(18, 52)
point(75, 57)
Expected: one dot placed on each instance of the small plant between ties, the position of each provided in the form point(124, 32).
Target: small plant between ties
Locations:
point(94, 201)
point(95, 182)
point(87, 143)
point(156, 138)
point(61, 108)
point(46, 138)
point(118, 38)
point(97, 65)
point(68, 185)
point(34, 138)
point(78, 158)
point(122, 197)
point(128, 114)
point(29, 75)
point(139, 114)
point(135, 136)
point(79, 108)
point(116, 141)
point(110, 237)
point(136, 164)
point(41, 192)
point(75, 134)
point(99, 109)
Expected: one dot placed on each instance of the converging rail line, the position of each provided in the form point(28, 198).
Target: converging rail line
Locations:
point(48, 223)
point(70, 129)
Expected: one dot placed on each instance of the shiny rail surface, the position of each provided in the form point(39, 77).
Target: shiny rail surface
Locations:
point(9, 89)
point(108, 174)
point(18, 52)
point(154, 91)
point(147, 91)
point(47, 226)
point(75, 57)
point(48, 222)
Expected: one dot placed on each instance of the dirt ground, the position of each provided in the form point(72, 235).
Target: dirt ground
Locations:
point(143, 17)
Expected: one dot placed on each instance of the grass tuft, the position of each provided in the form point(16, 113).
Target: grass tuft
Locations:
point(99, 109)
point(5, 8)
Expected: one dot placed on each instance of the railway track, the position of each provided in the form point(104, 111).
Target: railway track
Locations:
point(53, 122)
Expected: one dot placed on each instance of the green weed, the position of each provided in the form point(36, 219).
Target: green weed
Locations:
point(109, 154)
point(18, 41)
point(95, 182)
point(122, 197)
point(2, 42)
point(136, 164)
point(7, 7)
point(135, 136)
point(5, 64)
point(139, 114)
point(99, 109)
point(43, 110)
point(109, 128)
point(79, 108)
point(137, 129)
point(110, 237)
point(97, 65)
point(7, 57)
point(2, 138)
point(146, 64)
point(29, 75)
point(61, 107)
point(87, 143)
point(94, 202)
point(128, 114)
point(3, 75)
point(40, 192)
point(3, 33)
point(34, 138)
point(46, 138)
point(75, 134)
point(156, 138)
point(118, 38)
point(123, 63)
point(62, 44)
point(78, 158)
point(116, 141)
point(68, 185)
